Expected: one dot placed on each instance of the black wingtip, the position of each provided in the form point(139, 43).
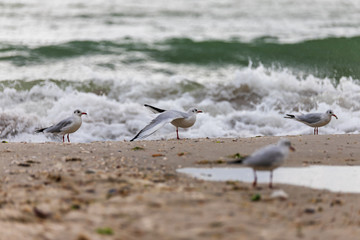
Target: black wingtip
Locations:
point(134, 137)
point(137, 135)
point(155, 108)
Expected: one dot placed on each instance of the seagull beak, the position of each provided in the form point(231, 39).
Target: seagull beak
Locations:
point(335, 116)
point(83, 113)
point(199, 111)
point(292, 148)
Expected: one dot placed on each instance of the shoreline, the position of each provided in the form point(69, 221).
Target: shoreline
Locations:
point(131, 190)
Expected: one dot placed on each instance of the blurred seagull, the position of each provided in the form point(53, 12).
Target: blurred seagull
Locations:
point(267, 158)
point(66, 126)
point(314, 120)
point(176, 118)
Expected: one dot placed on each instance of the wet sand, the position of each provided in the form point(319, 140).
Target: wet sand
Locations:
point(131, 190)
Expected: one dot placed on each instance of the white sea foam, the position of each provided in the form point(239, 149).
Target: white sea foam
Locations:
point(250, 102)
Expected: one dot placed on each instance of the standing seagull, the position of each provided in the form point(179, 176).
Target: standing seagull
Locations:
point(66, 126)
point(176, 118)
point(268, 158)
point(314, 120)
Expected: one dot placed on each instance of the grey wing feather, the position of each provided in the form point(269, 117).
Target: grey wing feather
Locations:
point(59, 126)
point(265, 157)
point(157, 123)
point(179, 114)
point(309, 118)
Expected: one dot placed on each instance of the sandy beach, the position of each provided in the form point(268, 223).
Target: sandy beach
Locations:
point(123, 190)
point(247, 65)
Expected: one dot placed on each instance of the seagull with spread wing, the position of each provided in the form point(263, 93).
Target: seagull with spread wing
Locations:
point(176, 118)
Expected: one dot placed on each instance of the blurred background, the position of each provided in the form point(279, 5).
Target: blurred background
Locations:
point(245, 63)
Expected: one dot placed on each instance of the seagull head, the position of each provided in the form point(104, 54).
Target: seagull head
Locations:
point(331, 113)
point(286, 143)
point(194, 111)
point(79, 113)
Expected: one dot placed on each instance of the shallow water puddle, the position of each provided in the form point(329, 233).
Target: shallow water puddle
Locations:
point(333, 178)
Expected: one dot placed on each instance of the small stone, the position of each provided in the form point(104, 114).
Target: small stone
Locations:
point(73, 159)
point(24, 165)
point(41, 213)
point(336, 202)
point(90, 171)
point(157, 155)
point(279, 194)
point(309, 210)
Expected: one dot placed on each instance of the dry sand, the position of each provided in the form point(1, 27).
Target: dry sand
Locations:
point(123, 190)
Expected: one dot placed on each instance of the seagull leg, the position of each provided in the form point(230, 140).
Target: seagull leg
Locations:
point(63, 138)
point(271, 179)
point(255, 179)
point(177, 133)
point(316, 131)
point(68, 138)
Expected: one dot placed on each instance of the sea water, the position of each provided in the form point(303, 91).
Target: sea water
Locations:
point(332, 178)
point(244, 63)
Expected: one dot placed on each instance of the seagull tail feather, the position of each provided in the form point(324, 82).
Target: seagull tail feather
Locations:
point(289, 116)
point(40, 130)
point(237, 161)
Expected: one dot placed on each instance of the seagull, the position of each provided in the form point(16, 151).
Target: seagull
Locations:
point(314, 120)
point(66, 126)
point(176, 118)
point(267, 158)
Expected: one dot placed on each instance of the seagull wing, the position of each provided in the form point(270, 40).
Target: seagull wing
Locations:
point(310, 118)
point(61, 126)
point(157, 123)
